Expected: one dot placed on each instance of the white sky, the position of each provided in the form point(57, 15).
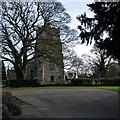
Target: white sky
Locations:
point(75, 8)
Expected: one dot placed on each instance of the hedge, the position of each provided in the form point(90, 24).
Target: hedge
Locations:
point(110, 81)
point(102, 81)
point(21, 83)
point(75, 82)
point(85, 81)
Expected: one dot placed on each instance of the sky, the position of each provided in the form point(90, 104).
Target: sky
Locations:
point(75, 8)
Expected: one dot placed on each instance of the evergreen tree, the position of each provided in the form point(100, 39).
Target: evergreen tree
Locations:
point(105, 22)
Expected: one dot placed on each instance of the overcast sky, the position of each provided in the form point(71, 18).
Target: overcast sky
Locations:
point(75, 8)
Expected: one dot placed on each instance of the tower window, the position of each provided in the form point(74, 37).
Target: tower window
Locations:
point(52, 67)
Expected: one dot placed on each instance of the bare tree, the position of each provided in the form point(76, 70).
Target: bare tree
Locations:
point(53, 14)
point(69, 55)
point(77, 64)
point(73, 64)
point(20, 21)
point(99, 63)
point(69, 38)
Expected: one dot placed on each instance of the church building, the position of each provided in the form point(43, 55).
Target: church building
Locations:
point(47, 67)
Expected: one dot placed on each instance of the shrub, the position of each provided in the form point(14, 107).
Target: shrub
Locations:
point(13, 108)
point(10, 107)
point(5, 115)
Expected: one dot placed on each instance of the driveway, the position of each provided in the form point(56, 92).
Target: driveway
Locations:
point(68, 103)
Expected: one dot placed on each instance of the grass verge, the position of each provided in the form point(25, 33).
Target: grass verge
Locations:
point(113, 88)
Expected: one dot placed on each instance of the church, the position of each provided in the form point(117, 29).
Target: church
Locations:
point(47, 67)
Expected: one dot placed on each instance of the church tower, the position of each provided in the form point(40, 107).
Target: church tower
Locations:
point(48, 51)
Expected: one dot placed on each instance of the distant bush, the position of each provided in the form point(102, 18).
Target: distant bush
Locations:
point(102, 81)
point(110, 81)
point(81, 81)
point(52, 84)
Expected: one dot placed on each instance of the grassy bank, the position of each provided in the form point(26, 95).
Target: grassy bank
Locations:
point(113, 88)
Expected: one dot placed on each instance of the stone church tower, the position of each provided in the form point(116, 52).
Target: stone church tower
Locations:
point(48, 65)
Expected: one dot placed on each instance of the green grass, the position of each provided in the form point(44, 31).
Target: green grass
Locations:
point(113, 88)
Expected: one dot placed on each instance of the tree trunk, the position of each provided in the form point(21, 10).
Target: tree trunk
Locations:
point(19, 69)
point(19, 75)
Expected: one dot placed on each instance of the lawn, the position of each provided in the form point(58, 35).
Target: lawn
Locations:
point(113, 88)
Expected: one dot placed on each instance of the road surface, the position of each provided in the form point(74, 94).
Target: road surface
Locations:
point(68, 103)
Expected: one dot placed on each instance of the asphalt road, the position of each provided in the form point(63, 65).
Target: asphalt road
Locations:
point(68, 103)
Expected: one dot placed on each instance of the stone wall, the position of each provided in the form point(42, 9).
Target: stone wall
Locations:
point(55, 75)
